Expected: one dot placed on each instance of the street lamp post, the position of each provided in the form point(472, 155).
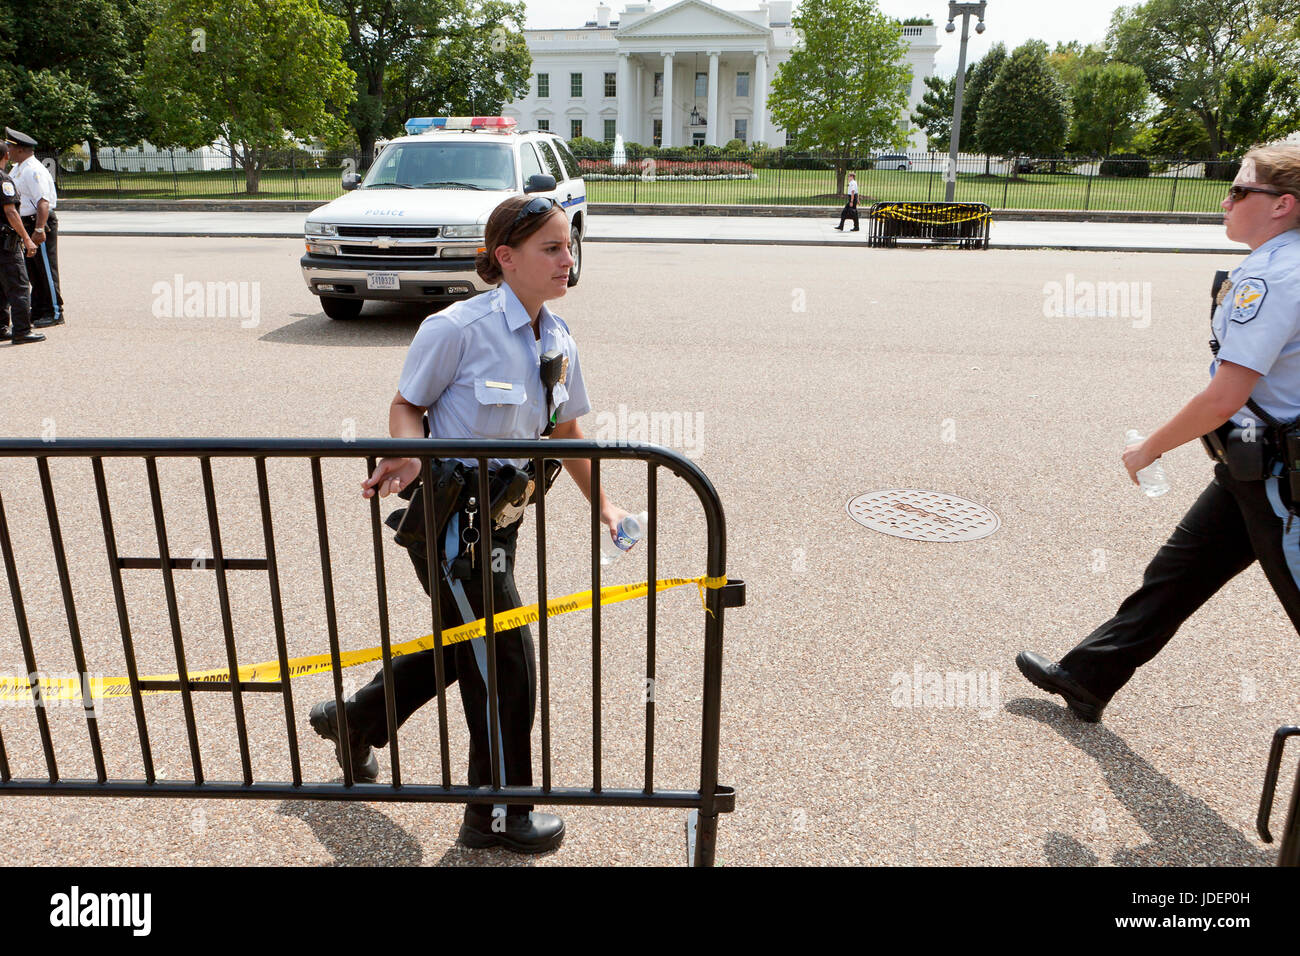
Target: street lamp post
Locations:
point(965, 9)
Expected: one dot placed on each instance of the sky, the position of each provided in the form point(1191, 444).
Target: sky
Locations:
point(1010, 21)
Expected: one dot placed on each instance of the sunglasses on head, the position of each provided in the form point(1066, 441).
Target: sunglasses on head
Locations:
point(1238, 193)
point(534, 207)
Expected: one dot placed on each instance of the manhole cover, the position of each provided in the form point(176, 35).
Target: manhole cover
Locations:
point(922, 515)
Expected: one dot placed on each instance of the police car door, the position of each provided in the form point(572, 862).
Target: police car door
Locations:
point(575, 190)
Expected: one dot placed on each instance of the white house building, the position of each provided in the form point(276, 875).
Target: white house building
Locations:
point(684, 73)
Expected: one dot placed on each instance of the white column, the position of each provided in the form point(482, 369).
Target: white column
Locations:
point(624, 94)
point(638, 111)
point(711, 132)
point(759, 132)
point(668, 101)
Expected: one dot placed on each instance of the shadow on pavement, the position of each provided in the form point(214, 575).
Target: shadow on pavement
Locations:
point(354, 834)
point(380, 324)
point(1184, 831)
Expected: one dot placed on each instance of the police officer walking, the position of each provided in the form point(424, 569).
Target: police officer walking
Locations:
point(1243, 416)
point(14, 243)
point(479, 370)
point(39, 200)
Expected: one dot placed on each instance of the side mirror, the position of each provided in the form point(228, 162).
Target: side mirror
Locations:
point(350, 180)
point(539, 184)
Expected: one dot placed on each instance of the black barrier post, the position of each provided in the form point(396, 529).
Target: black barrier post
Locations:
point(496, 750)
point(29, 652)
point(331, 623)
point(595, 625)
point(70, 610)
point(435, 610)
point(543, 620)
point(227, 627)
point(277, 612)
point(381, 592)
point(651, 610)
point(123, 621)
point(173, 614)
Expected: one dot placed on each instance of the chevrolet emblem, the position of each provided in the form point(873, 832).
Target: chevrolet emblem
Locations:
point(384, 242)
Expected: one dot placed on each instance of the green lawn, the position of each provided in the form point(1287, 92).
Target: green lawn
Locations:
point(1032, 191)
point(792, 187)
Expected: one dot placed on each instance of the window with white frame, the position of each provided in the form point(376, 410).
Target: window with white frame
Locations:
point(575, 128)
point(611, 84)
point(742, 84)
point(742, 130)
point(575, 85)
point(609, 131)
point(543, 85)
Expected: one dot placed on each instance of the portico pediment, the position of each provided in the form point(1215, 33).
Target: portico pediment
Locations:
point(693, 18)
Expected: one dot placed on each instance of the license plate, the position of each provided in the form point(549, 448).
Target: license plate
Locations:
point(382, 280)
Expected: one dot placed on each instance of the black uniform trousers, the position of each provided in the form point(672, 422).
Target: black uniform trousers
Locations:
point(415, 680)
point(14, 294)
point(47, 300)
point(1232, 525)
point(850, 211)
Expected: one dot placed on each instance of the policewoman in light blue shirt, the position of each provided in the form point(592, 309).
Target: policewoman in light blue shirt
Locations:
point(475, 368)
point(1245, 515)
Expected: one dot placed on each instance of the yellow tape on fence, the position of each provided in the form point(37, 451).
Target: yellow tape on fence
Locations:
point(944, 217)
point(19, 689)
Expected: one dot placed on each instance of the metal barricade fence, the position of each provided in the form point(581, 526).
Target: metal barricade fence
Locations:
point(706, 802)
point(964, 224)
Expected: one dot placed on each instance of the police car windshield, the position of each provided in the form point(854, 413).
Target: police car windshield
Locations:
point(443, 165)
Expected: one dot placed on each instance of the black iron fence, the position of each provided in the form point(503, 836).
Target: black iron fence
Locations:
point(260, 519)
point(706, 176)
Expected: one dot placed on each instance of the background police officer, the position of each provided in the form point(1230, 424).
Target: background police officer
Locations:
point(14, 243)
point(39, 199)
point(1243, 516)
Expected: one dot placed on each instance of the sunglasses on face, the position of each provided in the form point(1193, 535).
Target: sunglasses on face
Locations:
point(1238, 193)
point(534, 207)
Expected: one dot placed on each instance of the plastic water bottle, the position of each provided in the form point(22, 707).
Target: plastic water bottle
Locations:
point(630, 530)
point(1152, 477)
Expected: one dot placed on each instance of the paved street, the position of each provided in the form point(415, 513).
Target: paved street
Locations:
point(674, 229)
point(813, 376)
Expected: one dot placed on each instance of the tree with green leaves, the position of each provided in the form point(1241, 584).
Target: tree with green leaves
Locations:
point(1069, 59)
point(1189, 48)
point(255, 73)
point(1108, 103)
point(427, 57)
point(69, 70)
point(1260, 101)
point(979, 78)
point(1025, 111)
point(845, 85)
point(934, 112)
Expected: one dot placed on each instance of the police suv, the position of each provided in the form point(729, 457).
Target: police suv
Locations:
point(409, 231)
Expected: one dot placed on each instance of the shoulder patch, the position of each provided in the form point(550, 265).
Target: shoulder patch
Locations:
point(1247, 297)
point(8, 188)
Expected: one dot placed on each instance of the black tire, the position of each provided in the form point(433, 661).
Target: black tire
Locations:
point(575, 250)
point(342, 309)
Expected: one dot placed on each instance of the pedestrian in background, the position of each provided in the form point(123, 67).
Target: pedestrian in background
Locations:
point(15, 303)
point(850, 209)
point(38, 202)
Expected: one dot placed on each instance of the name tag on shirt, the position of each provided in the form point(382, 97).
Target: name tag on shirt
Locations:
point(491, 384)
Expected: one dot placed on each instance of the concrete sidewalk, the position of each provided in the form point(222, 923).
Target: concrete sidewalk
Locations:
point(747, 230)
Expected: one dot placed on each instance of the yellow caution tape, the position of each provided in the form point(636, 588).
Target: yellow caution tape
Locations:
point(66, 688)
point(939, 217)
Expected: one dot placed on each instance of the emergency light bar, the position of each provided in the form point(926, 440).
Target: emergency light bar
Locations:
point(423, 124)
